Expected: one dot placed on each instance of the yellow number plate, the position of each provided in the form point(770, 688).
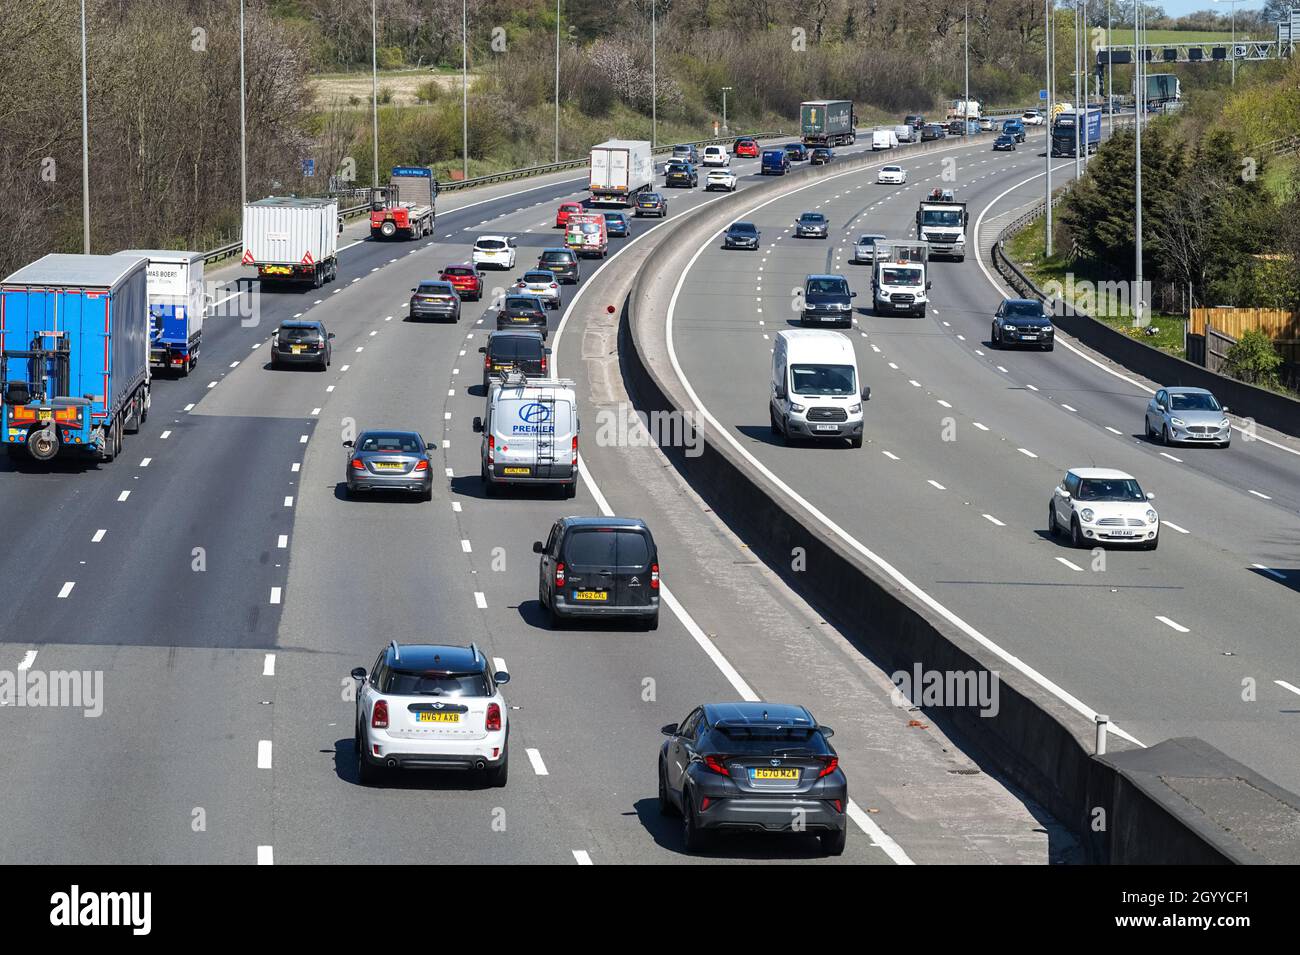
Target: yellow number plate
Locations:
point(295, 349)
point(387, 466)
point(439, 718)
point(45, 415)
point(516, 470)
point(776, 774)
point(590, 595)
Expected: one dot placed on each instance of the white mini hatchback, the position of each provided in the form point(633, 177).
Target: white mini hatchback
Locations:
point(1103, 506)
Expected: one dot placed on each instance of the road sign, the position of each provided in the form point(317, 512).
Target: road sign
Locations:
point(1042, 94)
point(308, 168)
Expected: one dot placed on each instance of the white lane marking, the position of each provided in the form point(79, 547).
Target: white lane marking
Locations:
point(1269, 570)
point(314, 412)
point(914, 383)
point(99, 536)
point(535, 757)
point(329, 389)
point(500, 664)
point(1166, 454)
point(1030, 387)
point(345, 368)
point(361, 348)
point(982, 427)
point(212, 384)
point(275, 595)
point(1114, 430)
point(465, 547)
point(268, 665)
point(1172, 624)
point(1005, 372)
point(450, 473)
point(144, 462)
point(1262, 496)
point(1027, 453)
point(581, 857)
point(890, 454)
point(480, 600)
point(295, 467)
point(1068, 408)
point(944, 403)
point(288, 501)
point(265, 855)
point(1070, 564)
point(188, 407)
point(263, 754)
point(978, 352)
point(66, 589)
point(302, 439)
point(164, 436)
point(993, 520)
point(1181, 530)
point(28, 659)
point(282, 541)
point(936, 485)
point(455, 506)
point(893, 366)
point(1288, 686)
point(124, 495)
point(234, 364)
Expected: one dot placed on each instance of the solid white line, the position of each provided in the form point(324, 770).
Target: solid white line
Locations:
point(263, 754)
point(1259, 495)
point(993, 520)
point(28, 659)
point(275, 595)
point(1288, 686)
point(535, 757)
point(480, 600)
point(268, 665)
point(581, 857)
point(1269, 570)
point(265, 856)
point(66, 589)
point(1181, 530)
point(1176, 626)
point(1070, 564)
point(99, 536)
point(1027, 453)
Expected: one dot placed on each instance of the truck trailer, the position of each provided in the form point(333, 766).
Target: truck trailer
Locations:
point(292, 240)
point(1065, 132)
point(405, 208)
point(74, 355)
point(620, 170)
point(177, 307)
point(828, 122)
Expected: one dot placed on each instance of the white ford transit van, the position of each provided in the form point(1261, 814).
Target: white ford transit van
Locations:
point(816, 392)
point(530, 434)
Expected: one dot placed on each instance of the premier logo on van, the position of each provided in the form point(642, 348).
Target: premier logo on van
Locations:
point(536, 417)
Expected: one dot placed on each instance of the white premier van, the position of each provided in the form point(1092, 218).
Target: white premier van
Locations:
point(816, 392)
point(530, 434)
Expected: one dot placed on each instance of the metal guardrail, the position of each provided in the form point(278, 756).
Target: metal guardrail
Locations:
point(1008, 269)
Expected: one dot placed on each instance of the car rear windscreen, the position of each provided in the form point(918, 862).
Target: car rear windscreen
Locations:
point(401, 683)
point(455, 271)
point(592, 547)
point(772, 740)
point(515, 347)
point(520, 302)
point(556, 258)
point(492, 244)
point(300, 334)
point(395, 443)
point(438, 288)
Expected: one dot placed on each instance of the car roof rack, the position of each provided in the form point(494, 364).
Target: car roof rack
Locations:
point(397, 651)
point(473, 649)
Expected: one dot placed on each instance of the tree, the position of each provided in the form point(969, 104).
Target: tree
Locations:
point(1253, 359)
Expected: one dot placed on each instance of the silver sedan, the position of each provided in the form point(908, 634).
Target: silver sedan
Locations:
point(864, 250)
point(389, 461)
point(1187, 416)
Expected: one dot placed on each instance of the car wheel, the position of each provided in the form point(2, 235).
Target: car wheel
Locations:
point(994, 341)
point(1076, 535)
point(833, 843)
point(497, 776)
point(367, 774)
point(666, 807)
point(1052, 527)
point(1164, 436)
point(1049, 346)
point(855, 441)
point(693, 837)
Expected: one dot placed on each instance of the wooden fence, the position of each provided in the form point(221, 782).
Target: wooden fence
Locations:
point(1278, 324)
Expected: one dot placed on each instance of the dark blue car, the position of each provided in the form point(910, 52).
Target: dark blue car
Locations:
point(775, 162)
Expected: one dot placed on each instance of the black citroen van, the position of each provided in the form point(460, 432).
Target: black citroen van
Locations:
point(599, 567)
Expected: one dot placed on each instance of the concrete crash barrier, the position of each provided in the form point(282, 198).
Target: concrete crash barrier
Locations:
point(1035, 740)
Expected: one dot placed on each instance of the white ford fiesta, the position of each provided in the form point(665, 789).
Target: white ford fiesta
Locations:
point(1103, 506)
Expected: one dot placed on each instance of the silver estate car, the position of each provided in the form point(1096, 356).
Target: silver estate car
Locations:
point(864, 250)
point(389, 461)
point(1187, 416)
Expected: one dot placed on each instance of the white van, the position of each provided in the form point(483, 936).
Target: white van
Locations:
point(884, 139)
point(816, 392)
point(530, 435)
point(714, 156)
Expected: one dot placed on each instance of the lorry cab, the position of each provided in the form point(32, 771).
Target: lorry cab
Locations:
point(530, 433)
point(899, 280)
point(942, 224)
point(815, 390)
point(775, 162)
point(587, 234)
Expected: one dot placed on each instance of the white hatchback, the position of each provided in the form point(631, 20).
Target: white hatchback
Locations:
point(426, 706)
point(1103, 506)
point(894, 175)
point(714, 156)
point(720, 179)
point(497, 251)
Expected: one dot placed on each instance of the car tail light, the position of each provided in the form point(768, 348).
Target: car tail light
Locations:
point(559, 574)
point(492, 447)
point(654, 576)
point(543, 364)
point(838, 804)
point(553, 285)
point(575, 450)
point(705, 802)
point(829, 765)
point(358, 464)
point(379, 717)
point(494, 717)
point(487, 362)
point(421, 465)
point(715, 764)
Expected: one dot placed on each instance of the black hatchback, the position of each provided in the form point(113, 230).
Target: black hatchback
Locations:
point(511, 350)
point(563, 262)
point(301, 343)
point(522, 311)
point(753, 766)
point(599, 567)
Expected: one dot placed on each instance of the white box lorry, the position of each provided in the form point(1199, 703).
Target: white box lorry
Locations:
point(620, 169)
point(178, 304)
point(292, 240)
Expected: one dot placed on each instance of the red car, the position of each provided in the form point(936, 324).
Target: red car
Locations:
point(567, 209)
point(745, 147)
point(465, 279)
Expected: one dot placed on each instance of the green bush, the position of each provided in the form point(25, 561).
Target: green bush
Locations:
point(1254, 360)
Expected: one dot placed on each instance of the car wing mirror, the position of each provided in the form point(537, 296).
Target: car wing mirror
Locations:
point(669, 729)
point(928, 286)
point(1065, 495)
point(330, 335)
point(430, 446)
point(1224, 409)
point(347, 444)
point(482, 349)
point(866, 393)
point(537, 547)
point(547, 350)
point(501, 677)
point(853, 295)
point(358, 673)
point(826, 731)
point(1151, 495)
point(478, 425)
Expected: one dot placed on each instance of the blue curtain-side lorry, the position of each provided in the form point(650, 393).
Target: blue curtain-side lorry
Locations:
point(74, 355)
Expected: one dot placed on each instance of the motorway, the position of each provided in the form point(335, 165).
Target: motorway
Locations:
point(964, 445)
point(224, 585)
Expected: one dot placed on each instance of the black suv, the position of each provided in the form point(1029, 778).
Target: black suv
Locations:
point(1021, 321)
point(522, 311)
point(563, 262)
point(301, 343)
point(827, 298)
point(681, 174)
point(511, 350)
point(741, 235)
point(599, 567)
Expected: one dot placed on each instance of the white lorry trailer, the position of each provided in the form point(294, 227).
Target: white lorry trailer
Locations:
point(292, 240)
point(620, 170)
point(178, 304)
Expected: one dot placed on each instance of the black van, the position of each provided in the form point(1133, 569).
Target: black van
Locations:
point(599, 567)
point(508, 351)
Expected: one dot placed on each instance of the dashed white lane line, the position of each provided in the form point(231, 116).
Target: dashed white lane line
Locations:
point(1181, 530)
point(1174, 625)
point(302, 439)
point(535, 757)
point(1068, 408)
point(581, 857)
point(212, 384)
point(455, 506)
point(345, 368)
point(1070, 564)
point(99, 536)
point(980, 353)
point(1005, 372)
point(265, 855)
point(1261, 496)
point(66, 589)
point(465, 547)
point(288, 501)
point(982, 427)
point(164, 436)
point(144, 462)
point(1269, 570)
point(234, 364)
point(26, 662)
point(1114, 430)
point(282, 541)
point(936, 485)
point(1030, 387)
point(944, 403)
point(890, 454)
point(480, 600)
point(314, 412)
point(124, 495)
point(450, 472)
point(1027, 453)
point(189, 407)
point(275, 595)
point(295, 467)
point(1288, 686)
point(1166, 454)
point(263, 754)
point(914, 383)
point(268, 665)
point(993, 520)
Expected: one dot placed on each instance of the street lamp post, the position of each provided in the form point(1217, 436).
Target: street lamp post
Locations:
point(85, 143)
point(243, 138)
point(374, 90)
point(725, 91)
point(965, 107)
point(464, 86)
point(654, 78)
point(1079, 114)
point(1110, 76)
point(1232, 56)
point(1139, 72)
point(557, 80)
point(1048, 10)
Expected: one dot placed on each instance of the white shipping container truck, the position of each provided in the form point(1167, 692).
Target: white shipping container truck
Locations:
point(620, 169)
point(292, 240)
point(178, 303)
